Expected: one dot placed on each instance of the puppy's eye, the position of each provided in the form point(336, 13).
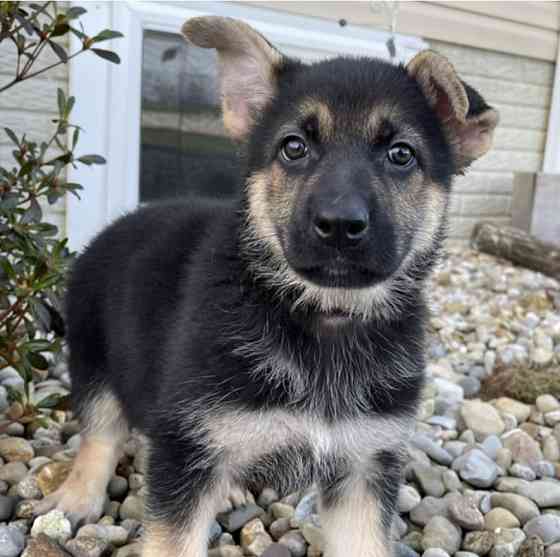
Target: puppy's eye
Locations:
point(293, 148)
point(401, 154)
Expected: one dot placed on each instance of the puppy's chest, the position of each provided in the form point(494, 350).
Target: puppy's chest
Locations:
point(245, 437)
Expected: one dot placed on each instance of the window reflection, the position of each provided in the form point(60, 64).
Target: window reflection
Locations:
point(184, 147)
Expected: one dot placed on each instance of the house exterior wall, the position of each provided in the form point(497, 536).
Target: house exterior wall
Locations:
point(519, 86)
point(29, 107)
point(521, 89)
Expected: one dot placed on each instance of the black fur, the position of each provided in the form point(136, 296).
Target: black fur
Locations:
point(166, 312)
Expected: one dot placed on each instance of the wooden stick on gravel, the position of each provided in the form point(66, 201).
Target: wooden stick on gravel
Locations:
point(518, 247)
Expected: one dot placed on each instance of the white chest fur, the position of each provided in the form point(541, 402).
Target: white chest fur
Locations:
point(244, 436)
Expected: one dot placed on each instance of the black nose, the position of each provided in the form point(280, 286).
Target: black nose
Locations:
point(342, 225)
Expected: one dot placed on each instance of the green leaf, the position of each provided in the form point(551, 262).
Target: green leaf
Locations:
point(38, 361)
point(61, 99)
point(92, 159)
point(74, 12)
point(59, 51)
point(12, 136)
point(39, 345)
point(75, 137)
point(13, 394)
point(50, 401)
point(106, 35)
point(107, 55)
point(69, 105)
point(60, 29)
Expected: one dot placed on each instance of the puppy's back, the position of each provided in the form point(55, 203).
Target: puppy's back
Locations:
point(123, 290)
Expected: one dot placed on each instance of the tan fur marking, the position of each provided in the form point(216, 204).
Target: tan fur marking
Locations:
point(312, 107)
point(82, 495)
point(353, 527)
point(247, 64)
point(433, 71)
point(162, 540)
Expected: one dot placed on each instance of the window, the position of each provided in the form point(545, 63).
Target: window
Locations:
point(184, 148)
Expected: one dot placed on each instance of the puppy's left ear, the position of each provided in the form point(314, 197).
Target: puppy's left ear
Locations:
point(468, 121)
point(248, 66)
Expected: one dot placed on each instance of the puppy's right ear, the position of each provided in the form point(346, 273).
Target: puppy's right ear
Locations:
point(248, 66)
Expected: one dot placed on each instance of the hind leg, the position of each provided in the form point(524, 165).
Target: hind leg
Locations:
point(82, 496)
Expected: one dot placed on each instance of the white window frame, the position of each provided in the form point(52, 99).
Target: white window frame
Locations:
point(109, 96)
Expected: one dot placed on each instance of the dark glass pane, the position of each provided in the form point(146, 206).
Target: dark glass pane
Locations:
point(184, 150)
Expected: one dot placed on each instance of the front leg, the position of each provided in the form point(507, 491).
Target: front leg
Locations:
point(357, 508)
point(185, 491)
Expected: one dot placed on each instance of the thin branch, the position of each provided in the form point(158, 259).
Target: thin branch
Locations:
point(18, 79)
point(38, 72)
point(32, 18)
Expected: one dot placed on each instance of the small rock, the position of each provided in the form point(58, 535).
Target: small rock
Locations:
point(12, 541)
point(54, 525)
point(313, 535)
point(28, 488)
point(276, 550)
point(132, 507)
point(439, 532)
point(7, 507)
point(435, 552)
point(427, 508)
point(545, 493)
point(482, 419)
point(500, 518)
point(43, 546)
point(118, 487)
point(476, 468)
point(254, 538)
point(510, 406)
point(532, 547)
point(13, 472)
point(236, 519)
point(16, 449)
point(546, 527)
point(432, 449)
point(524, 449)
point(507, 542)
point(479, 542)
point(520, 471)
point(279, 527)
point(114, 535)
point(547, 403)
point(429, 479)
point(88, 547)
point(463, 510)
point(408, 498)
point(281, 510)
point(295, 542)
point(522, 507)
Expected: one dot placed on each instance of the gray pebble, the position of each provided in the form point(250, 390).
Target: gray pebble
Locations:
point(12, 541)
point(546, 527)
point(476, 468)
point(7, 507)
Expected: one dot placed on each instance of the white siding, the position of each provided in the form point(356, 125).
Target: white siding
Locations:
point(29, 107)
point(521, 89)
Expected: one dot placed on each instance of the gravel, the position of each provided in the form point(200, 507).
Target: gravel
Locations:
point(483, 470)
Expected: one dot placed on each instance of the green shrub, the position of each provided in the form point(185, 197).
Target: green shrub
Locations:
point(33, 258)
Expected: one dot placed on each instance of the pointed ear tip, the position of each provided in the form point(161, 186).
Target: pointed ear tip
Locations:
point(199, 30)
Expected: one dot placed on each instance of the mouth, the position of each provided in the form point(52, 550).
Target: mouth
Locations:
point(341, 276)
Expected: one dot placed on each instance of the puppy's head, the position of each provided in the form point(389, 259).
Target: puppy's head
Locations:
point(350, 163)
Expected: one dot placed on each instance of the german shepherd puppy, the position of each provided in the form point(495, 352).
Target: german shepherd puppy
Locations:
point(276, 341)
